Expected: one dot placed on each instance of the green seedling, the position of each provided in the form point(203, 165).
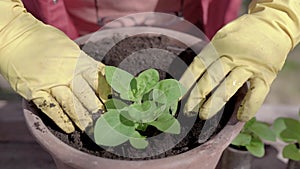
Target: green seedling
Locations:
point(137, 102)
point(288, 130)
point(252, 135)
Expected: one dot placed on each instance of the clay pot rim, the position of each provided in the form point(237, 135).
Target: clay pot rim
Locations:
point(188, 39)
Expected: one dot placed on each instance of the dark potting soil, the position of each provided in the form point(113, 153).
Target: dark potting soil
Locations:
point(134, 54)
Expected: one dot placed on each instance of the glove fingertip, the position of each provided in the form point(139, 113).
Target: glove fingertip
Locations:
point(48, 105)
point(189, 109)
point(244, 115)
point(203, 116)
point(243, 118)
point(67, 127)
point(206, 114)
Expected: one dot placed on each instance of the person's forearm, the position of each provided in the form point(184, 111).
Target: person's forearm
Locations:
point(20, 31)
point(282, 15)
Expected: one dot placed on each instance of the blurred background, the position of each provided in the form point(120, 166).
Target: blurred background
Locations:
point(18, 149)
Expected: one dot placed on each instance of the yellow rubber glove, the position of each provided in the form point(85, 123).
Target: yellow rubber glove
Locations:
point(252, 48)
point(43, 65)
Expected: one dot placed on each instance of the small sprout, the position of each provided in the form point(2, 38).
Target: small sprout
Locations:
point(252, 135)
point(288, 130)
point(141, 101)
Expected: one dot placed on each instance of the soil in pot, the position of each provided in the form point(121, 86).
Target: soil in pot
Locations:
point(134, 54)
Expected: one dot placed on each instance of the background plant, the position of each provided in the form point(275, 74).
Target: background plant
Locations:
point(138, 102)
point(288, 130)
point(252, 135)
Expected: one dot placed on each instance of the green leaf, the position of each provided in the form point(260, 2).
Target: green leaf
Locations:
point(291, 133)
point(279, 126)
point(158, 96)
point(133, 86)
point(168, 91)
point(289, 136)
point(120, 81)
point(292, 124)
point(115, 104)
point(138, 141)
point(173, 108)
point(111, 129)
point(242, 140)
point(146, 81)
point(167, 123)
point(291, 152)
point(256, 147)
point(142, 112)
point(250, 123)
point(263, 131)
point(141, 126)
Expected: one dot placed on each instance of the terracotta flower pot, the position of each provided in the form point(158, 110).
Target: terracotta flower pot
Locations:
point(235, 159)
point(205, 156)
point(292, 164)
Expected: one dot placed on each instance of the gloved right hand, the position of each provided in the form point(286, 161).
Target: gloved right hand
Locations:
point(45, 66)
point(253, 49)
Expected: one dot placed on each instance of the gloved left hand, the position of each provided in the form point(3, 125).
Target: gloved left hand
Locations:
point(45, 66)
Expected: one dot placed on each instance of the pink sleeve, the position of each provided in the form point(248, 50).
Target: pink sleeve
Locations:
point(52, 12)
point(217, 13)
